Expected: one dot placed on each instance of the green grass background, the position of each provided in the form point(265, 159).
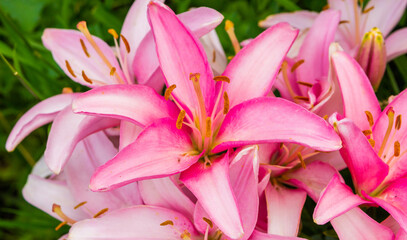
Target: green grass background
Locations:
point(28, 75)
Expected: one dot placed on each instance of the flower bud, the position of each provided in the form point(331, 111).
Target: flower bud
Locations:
point(372, 56)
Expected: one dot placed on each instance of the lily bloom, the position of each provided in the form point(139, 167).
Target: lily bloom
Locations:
point(213, 117)
point(372, 149)
point(89, 61)
point(362, 30)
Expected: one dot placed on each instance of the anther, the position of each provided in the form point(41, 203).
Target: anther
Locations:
point(80, 205)
point(343, 22)
point(100, 212)
point(297, 64)
point(325, 117)
point(126, 43)
point(214, 56)
point(225, 103)
point(301, 160)
point(326, 7)
point(85, 50)
point(112, 71)
point(222, 78)
point(367, 132)
point(301, 98)
point(168, 222)
point(369, 118)
point(168, 91)
point(68, 66)
point(67, 90)
point(372, 142)
point(113, 32)
point(398, 122)
point(180, 119)
point(305, 84)
point(208, 127)
point(86, 78)
point(396, 148)
point(208, 221)
point(230, 29)
point(368, 10)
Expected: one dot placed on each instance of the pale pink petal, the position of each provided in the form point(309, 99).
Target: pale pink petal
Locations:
point(180, 54)
point(385, 15)
point(135, 103)
point(284, 207)
point(43, 193)
point(332, 158)
point(211, 186)
point(336, 199)
point(163, 192)
point(355, 224)
point(263, 120)
point(391, 223)
point(315, 48)
point(137, 223)
point(355, 87)
point(253, 70)
point(160, 150)
point(41, 114)
point(346, 31)
point(128, 133)
point(200, 224)
point(65, 45)
point(66, 131)
point(396, 44)
point(199, 21)
point(367, 169)
point(41, 169)
point(214, 52)
point(257, 235)
point(298, 19)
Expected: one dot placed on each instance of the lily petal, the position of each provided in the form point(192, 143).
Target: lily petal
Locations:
point(396, 44)
point(160, 150)
point(128, 133)
point(260, 61)
point(299, 19)
point(41, 114)
point(257, 235)
point(138, 223)
point(263, 120)
point(215, 52)
point(135, 103)
point(180, 54)
point(211, 186)
point(66, 131)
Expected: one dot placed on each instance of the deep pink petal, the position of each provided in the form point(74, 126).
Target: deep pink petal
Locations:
point(367, 169)
point(355, 87)
point(211, 186)
point(160, 150)
point(128, 133)
point(355, 224)
point(163, 192)
point(336, 199)
point(180, 54)
point(265, 120)
point(257, 235)
point(253, 70)
point(41, 114)
point(135, 103)
point(396, 44)
point(138, 223)
point(65, 45)
point(299, 19)
point(66, 131)
point(284, 207)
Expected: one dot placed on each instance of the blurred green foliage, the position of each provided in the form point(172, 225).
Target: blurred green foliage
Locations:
point(29, 74)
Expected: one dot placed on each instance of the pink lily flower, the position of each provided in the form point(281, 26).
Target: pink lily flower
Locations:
point(66, 196)
point(355, 32)
point(212, 117)
point(372, 149)
point(89, 61)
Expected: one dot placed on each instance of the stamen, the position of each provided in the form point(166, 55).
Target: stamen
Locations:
point(225, 103)
point(325, 117)
point(57, 209)
point(230, 29)
point(297, 64)
point(208, 127)
point(368, 10)
point(367, 132)
point(168, 91)
point(326, 7)
point(113, 33)
point(126, 43)
point(112, 71)
point(168, 222)
point(398, 122)
point(396, 148)
point(80, 205)
point(67, 90)
point(194, 77)
point(100, 212)
point(301, 160)
point(85, 50)
point(214, 56)
point(68, 66)
point(302, 98)
point(390, 115)
point(186, 235)
point(357, 20)
point(305, 84)
point(208, 221)
point(343, 21)
point(86, 77)
point(369, 118)
point(180, 119)
point(284, 66)
point(60, 225)
point(222, 78)
point(372, 142)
